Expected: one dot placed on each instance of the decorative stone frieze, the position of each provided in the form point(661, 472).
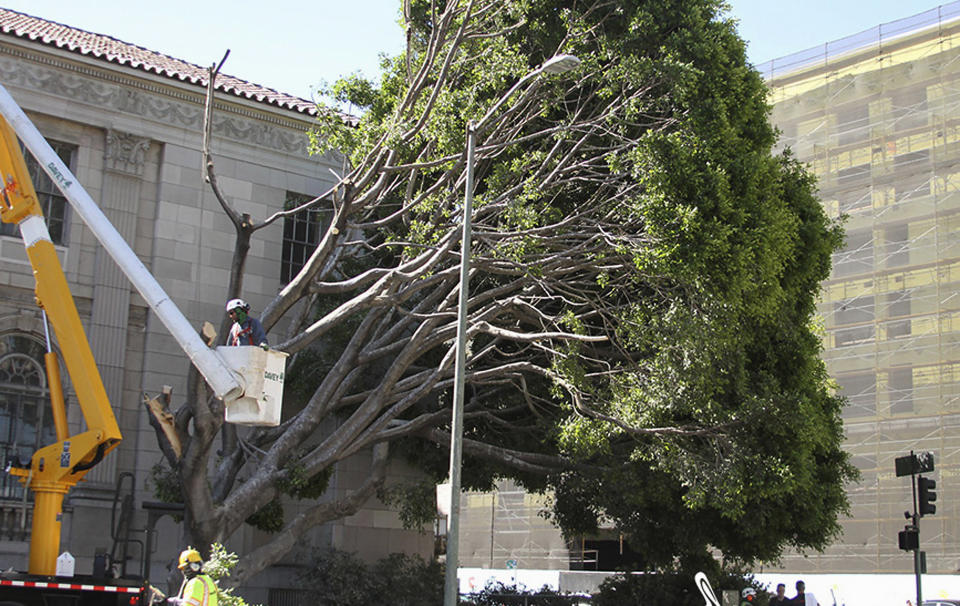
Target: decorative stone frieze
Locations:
point(144, 99)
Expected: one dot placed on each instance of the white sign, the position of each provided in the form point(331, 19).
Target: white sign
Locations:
point(65, 564)
point(443, 499)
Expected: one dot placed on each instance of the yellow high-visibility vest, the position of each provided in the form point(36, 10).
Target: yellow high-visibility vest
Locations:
point(201, 590)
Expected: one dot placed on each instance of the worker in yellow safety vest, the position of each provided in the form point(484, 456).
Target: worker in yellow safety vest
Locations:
point(198, 589)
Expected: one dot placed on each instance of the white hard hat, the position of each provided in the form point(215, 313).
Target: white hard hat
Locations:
point(235, 303)
point(748, 592)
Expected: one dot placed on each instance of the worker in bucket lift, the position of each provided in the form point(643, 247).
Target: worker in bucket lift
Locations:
point(246, 329)
point(198, 589)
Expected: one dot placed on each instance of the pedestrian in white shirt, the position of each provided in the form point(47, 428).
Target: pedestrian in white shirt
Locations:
point(803, 598)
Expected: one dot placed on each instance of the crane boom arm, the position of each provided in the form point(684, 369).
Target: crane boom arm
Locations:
point(226, 384)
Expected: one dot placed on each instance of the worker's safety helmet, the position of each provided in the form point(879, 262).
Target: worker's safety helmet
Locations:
point(237, 304)
point(748, 593)
point(190, 558)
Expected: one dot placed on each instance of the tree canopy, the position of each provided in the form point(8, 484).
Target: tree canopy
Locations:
point(643, 280)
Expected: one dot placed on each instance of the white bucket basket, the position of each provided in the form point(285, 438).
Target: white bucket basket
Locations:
point(263, 373)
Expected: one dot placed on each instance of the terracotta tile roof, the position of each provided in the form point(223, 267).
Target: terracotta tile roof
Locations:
point(116, 51)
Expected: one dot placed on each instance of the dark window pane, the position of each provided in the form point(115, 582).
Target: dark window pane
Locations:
point(853, 123)
point(51, 200)
point(852, 175)
point(897, 245)
point(898, 306)
point(856, 256)
point(909, 108)
point(913, 174)
point(301, 234)
point(854, 321)
point(861, 393)
point(900, 387)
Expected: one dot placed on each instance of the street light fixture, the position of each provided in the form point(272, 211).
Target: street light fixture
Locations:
point(555, 65)
point(558, 64)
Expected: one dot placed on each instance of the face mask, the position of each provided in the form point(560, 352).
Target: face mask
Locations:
point(191, 570)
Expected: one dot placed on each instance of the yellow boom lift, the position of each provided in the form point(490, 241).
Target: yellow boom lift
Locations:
point(55, 468)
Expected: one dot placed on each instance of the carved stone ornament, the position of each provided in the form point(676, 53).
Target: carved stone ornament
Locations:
point(126, 153)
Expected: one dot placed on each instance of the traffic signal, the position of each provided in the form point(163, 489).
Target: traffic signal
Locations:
point(909, 538)
point(925, 488)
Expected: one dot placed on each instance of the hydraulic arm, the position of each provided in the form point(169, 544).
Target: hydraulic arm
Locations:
point(54, 469)
point(247, 379)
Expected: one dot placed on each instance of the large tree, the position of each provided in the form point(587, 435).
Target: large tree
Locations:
point(641, 318)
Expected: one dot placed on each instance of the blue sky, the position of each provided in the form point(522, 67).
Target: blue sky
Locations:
point(293, 45)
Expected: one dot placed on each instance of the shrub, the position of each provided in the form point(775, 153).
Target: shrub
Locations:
point(670, 588)
point(499, 594)
point(343, 579)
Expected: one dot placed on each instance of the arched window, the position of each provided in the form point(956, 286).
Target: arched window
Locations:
point(26, 421)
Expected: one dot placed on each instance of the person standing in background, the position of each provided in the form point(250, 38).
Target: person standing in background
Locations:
point(781, 598)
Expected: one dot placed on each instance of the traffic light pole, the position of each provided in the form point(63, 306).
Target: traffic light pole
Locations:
point(910, 536)
point(916, 549)
point(916, 572)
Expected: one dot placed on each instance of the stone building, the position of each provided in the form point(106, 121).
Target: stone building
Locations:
point(127, 121)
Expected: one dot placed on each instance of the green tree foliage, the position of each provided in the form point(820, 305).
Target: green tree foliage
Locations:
point(415, 502)
point(501, 594)
point(341, 578)
point(643, 281)
point(218, 566)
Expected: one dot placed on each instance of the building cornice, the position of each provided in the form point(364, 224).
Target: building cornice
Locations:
point(151, 98)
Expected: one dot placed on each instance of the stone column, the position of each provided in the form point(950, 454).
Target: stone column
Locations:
point(124, 161)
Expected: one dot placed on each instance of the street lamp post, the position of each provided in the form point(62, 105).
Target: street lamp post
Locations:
point(555, 65)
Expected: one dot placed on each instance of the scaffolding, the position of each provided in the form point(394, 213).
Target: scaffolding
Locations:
point(876, 116)
point(505, 528)
point(876, 39)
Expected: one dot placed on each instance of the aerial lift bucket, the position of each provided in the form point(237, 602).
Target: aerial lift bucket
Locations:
point(263, 375)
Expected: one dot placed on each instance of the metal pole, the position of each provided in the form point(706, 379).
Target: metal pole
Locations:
point(916, 524)
point(451, 586)
point(493, 520)
point(916, 571)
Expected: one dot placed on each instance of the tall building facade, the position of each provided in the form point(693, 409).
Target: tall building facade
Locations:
point(876, 116)
point(128, 122)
